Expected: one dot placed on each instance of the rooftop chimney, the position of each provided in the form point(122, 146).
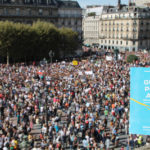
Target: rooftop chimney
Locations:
point(119, 4)
point(130, 3)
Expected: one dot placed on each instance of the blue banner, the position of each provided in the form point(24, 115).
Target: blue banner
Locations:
point(139, 101)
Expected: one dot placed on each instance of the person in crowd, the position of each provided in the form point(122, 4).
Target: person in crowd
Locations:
point(59, 105)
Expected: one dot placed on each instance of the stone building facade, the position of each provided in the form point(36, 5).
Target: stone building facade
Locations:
point(125, 27)
point(142, 2)
point(90, 24)
point(91, 29)
point(59, 12)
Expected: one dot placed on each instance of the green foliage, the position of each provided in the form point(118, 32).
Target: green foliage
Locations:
point(27, 43)
point(132, 58)
point(68, 40)
point(92, 14)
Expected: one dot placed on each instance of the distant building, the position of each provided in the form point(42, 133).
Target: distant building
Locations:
point(90, 24)
point(91, 29)
point(142, 2)
point(124, 27)
point(62, 13)
point(97, 9)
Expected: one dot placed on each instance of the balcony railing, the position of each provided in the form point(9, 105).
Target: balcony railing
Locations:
point(27, 5)
point(130, 38)
point(70, 15)
point(28, 15)
point(102, 37)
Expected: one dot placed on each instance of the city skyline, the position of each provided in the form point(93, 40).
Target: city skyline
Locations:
point(84, 3)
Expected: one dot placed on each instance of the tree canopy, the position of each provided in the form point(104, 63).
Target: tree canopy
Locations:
point(92, 14)
point(132, 58)
point(33, 42)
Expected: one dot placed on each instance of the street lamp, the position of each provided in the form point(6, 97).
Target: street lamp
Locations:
point(116, 51)
point(46, 108)
point(51, 55)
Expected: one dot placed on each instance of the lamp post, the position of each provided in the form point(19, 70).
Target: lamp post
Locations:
point(116, 51)
point(46, 109)
point(51, 55)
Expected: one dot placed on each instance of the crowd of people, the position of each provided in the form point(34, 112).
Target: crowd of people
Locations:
point(84, 106)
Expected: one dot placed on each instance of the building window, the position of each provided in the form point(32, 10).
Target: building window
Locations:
point(43, 2)
point(29, 11)
point(129, 15)
point(141, 30)
point(75, 23)
point(121, 42)
point(126, 42)
point(101, 41)
point(66, 22)
point(62, 22)
point(134, 36)
point(40, 12)
point(28, 1)
point(50, 12)
point(117, 42)
point(105, 41)
point(142, 23)
point(17, 11)
point(113, 42)
point(133, 42)
point(134, 30)
point(141, 43)
point(5, 11)
point(69, 22)
point(134, 23)
point(109, 41)
point(6, 1)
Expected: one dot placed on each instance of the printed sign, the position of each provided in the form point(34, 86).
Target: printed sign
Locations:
point(109, 58)
point(89, 72)
point(139, 101)
point(75, 63)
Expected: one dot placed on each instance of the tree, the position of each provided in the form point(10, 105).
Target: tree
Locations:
point(68, 41)
point(7, 34)
point(132, 58)
point(47, 39)
point(23, 42)
point(92, 14)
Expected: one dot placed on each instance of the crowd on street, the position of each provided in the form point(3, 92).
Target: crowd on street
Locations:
point(84, 106)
